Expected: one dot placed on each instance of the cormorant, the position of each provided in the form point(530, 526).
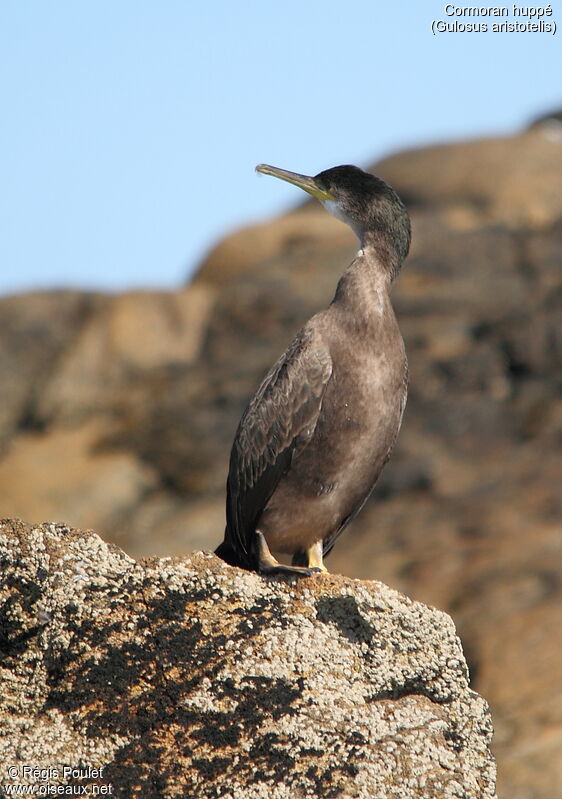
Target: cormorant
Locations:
point(322, 424)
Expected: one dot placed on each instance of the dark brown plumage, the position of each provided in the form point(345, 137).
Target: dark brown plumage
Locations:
point(319, 429)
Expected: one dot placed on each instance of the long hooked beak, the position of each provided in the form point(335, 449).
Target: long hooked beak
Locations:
point(304, 182)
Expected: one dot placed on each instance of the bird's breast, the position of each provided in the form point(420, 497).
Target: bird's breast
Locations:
point(359, 418)
point(358, 423)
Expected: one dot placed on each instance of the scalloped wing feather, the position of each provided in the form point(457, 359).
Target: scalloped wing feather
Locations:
point(280, 418)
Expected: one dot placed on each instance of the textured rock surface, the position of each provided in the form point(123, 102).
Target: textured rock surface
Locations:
point(118, 412)
point(185, 677)
point(507, 179)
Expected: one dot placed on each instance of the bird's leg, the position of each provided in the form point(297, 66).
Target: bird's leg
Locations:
point(267, 564)
point(311, 558)
point(315, 553)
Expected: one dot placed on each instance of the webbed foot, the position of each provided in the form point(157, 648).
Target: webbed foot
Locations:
point(267, 564)
point(311, 558)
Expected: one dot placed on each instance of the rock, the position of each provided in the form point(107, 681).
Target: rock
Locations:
point(34, 330)
point(186, 677)
point(132, 334)
point(550, 125)
point(67, 470)
point(244, 250)
point(515, 179)
point(77, 370)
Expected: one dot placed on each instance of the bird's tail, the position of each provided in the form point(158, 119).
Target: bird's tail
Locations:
point(230, 555)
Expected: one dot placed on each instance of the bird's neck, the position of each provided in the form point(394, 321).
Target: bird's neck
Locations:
point(382, 252)
point(363, 289)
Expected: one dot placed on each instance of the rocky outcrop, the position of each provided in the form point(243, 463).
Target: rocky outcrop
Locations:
point(186, 677)
point(118, 412)
point(508, 179)
point(76, 370)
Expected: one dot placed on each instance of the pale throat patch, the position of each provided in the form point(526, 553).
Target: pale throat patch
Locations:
point(334, 209)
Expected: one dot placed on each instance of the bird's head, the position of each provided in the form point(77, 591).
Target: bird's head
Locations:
point(366, 203)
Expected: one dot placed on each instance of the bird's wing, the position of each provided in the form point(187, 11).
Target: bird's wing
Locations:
point(280, 419)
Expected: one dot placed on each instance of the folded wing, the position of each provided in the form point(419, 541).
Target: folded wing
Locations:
point(277, 424)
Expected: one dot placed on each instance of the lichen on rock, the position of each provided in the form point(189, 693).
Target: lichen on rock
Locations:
point(186, 677)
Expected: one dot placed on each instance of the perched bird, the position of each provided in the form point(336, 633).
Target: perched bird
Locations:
point(321, 426)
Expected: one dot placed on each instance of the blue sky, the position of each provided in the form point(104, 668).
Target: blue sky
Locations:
point(130, 129)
